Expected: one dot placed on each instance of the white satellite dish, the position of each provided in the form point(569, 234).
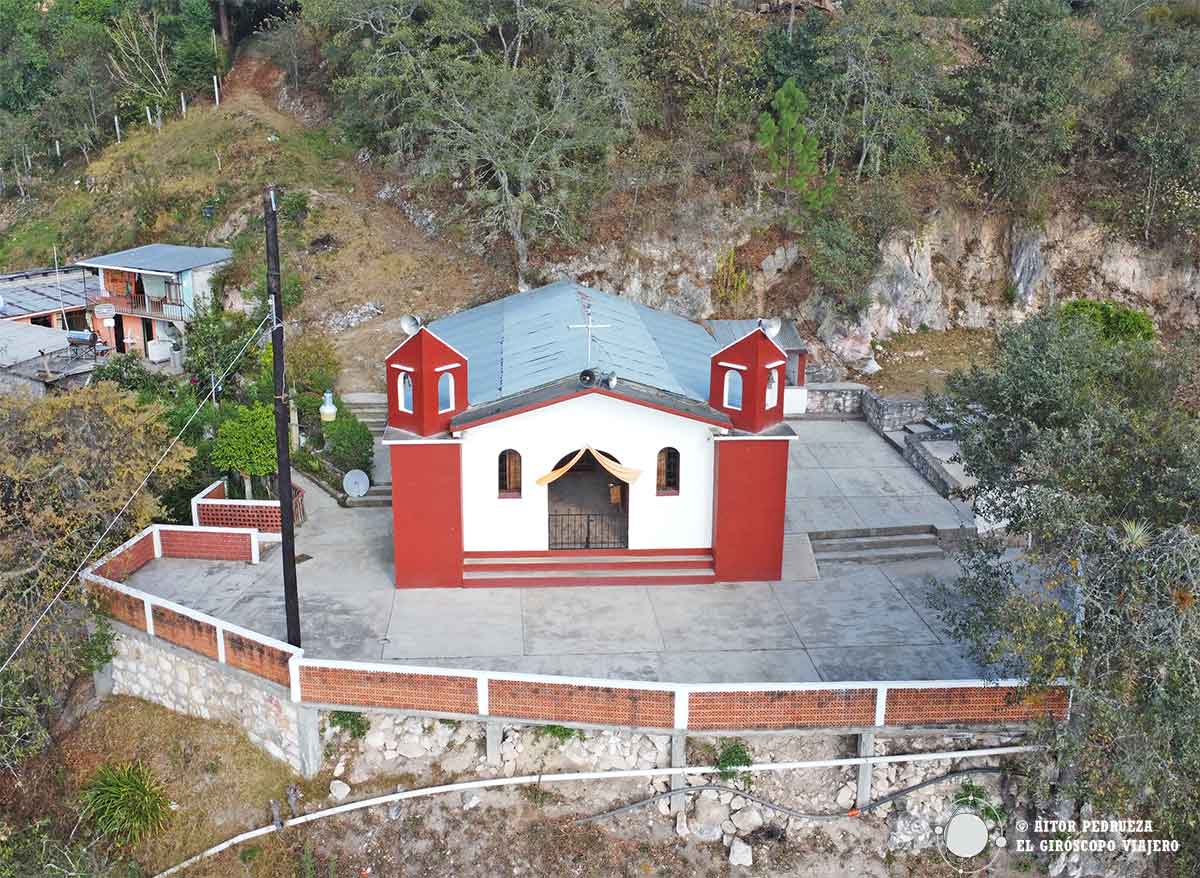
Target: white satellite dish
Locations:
point(771, 326)
point(410, 323)
point(356, 483)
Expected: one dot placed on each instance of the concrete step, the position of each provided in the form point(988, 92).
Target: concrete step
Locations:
point(824, 547)
point(556, 564)
point(384, 490)
point(368, 500)
point(918, 428)
point(582, 577)
point(880, 556)
point(895, 438)
point(853, 533)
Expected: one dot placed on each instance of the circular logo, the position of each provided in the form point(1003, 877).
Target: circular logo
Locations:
point(973, 835)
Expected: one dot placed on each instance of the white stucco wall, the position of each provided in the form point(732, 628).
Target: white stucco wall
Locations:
point(632, 433)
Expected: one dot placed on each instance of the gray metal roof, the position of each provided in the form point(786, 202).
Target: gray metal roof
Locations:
point(524, 341)
point(165, 258)
point(23, 341)
point(726, 332)
point(38, 291)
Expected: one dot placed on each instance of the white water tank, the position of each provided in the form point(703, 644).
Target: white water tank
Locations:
point(158, 350)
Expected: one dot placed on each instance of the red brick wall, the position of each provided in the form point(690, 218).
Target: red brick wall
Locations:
point(563, 702)
point(185, 631)
point(257, 658)
point(122, 607)
point(983, 704)
point(132, 558)
point(781, 710)
point(384, 689)
point(235, 514)
point(205, 544)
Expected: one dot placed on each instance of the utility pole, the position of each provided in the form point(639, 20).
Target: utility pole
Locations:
point(291, 599)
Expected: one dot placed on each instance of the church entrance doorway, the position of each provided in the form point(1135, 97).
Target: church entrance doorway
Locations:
point(589, 506)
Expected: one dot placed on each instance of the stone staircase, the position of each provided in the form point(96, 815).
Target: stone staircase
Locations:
point(898, 438)
point(882, 545)
point(370, 408)
point(595, 567)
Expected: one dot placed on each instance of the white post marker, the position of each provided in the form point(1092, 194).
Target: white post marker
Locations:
point(149, 121)
point(182, 105)
point(117, 125)
point(216, 90)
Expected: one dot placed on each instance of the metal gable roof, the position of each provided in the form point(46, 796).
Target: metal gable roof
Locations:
point(524, 341)
point(40, 290)
point(165, 258)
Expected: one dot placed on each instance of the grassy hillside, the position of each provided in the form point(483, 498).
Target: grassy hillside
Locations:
point(345, 246)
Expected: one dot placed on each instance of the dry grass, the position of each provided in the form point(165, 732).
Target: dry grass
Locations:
point(219, 781)
point(918, 361)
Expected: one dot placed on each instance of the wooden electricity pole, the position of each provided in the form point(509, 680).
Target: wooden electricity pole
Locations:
point(291, 600)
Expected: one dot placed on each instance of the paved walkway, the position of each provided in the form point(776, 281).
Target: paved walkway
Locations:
point(845, 476)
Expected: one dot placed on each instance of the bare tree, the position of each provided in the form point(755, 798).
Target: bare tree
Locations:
point(138, 60)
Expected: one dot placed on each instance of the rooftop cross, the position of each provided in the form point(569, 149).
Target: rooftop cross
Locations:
point(589, 326)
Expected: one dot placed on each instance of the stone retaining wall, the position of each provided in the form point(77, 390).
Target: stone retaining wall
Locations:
point(148, 668)
point(886, 415)
point(835, 398)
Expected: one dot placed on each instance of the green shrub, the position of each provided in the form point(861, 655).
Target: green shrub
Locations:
point(294, 206)
point(732, 756)
point(349, 444)
point(125, 802)
point(1116, 323)
point(562, 734)
point(352, 722)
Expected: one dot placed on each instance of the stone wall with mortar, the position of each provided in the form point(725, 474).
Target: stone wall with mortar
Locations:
point(886, 415)
point(835, 398)
point(178, 679)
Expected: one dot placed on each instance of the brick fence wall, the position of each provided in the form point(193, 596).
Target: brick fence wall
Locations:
point(599, 705)
point(588, 702)
point(210, 508)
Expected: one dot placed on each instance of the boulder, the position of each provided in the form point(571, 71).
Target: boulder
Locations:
point(459, 760)
point(747, 820)
point(681, 825)
point(740, 853)
point(845, 797)
point(707, 818)
point(338, 790)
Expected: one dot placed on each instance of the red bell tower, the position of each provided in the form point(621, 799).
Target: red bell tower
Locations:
point(426, 384)
point(746, 381)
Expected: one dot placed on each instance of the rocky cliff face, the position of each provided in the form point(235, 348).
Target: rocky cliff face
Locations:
point(965, 268)
point(961, 268)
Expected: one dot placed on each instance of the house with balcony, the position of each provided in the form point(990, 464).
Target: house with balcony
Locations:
point(144, 296)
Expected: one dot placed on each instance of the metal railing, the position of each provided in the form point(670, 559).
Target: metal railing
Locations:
point(588, 530)
point(143, 305)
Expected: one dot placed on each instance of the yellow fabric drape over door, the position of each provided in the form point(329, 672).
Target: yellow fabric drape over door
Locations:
point(624, 473)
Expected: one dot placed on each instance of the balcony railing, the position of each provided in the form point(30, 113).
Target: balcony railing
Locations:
point(587, 530)
point(145, 306)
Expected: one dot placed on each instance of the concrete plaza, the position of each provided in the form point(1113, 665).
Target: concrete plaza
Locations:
point(851, 623)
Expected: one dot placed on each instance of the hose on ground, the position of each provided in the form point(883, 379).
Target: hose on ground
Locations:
point(790, 812)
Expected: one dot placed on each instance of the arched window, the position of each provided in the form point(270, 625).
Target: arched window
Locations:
point(510, 473)
point(668, 471)
point(404, 392)
point(733, 389)
point(446, 392)
point(772, 396)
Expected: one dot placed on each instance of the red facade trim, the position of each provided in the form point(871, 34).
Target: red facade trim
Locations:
point(424, 354)
point(749, 506)
point(427, 514)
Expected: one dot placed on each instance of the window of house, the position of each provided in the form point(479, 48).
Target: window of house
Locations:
point(404, 392)
point(772, 396)
point(733, 389)
point(445, 392)
point(668, 471)
point(510, 473)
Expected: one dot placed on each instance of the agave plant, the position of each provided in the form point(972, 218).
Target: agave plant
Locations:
point(125, 802)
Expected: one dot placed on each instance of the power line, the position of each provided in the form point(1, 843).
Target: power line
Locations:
point(67, 582)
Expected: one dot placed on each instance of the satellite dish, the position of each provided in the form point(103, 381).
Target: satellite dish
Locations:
point(355, 483)
point(410, 323)
point(771, 326)
point(587, 378)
